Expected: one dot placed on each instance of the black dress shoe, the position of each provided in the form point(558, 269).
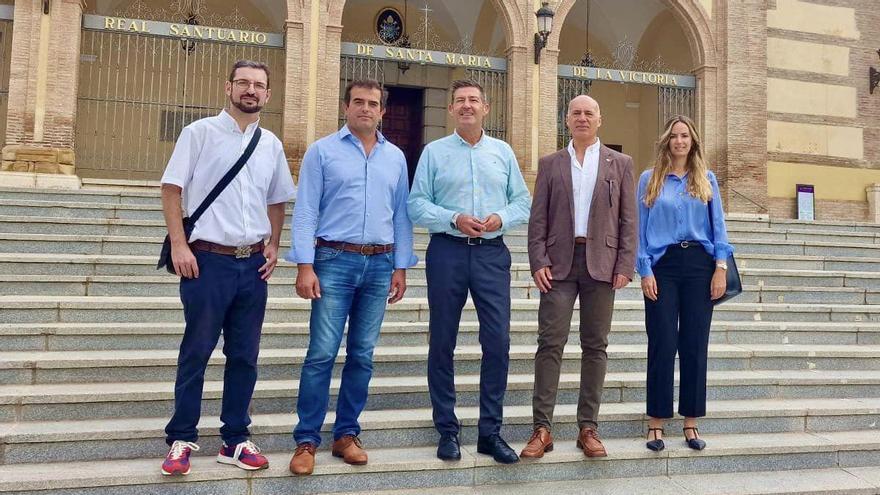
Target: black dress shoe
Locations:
point(495, 446)
point(449, 448)
point(695, 443)
point(657, 443)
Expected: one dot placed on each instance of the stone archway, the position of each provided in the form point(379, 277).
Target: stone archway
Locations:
point(517, 35)
point(696, 26)
point(690, 15)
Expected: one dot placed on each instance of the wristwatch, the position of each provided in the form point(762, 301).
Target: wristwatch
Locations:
point(721, 264)
point(452, 223)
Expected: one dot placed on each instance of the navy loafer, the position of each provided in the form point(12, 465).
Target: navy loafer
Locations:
point(495, 446)
point(449, 448)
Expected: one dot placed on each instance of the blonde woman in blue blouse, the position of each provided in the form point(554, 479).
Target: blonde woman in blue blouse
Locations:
point(682, 263)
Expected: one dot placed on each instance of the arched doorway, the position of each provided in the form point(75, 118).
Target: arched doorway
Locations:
point(416, 49)
point(147, 69)
point(635, 59)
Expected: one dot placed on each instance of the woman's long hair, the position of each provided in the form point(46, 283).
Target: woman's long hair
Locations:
point(697, 182)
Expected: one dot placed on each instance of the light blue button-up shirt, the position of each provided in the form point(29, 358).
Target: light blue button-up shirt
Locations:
point(455, 177)
point(677, 216)
point(346, 196)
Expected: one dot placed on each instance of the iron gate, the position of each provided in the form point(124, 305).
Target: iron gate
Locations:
point(494, 83)
point(567, 89)
point(137, 91)
point(672, 102)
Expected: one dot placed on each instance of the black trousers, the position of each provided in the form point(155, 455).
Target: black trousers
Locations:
point(679, 321)
point(453, 269)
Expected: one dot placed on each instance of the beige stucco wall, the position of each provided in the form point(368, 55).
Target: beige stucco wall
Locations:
point(822, 124)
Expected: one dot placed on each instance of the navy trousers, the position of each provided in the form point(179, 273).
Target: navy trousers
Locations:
point(679, 321)
point(453, 268)
point(229, 296)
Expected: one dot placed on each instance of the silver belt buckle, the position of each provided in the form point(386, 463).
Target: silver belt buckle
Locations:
point(243, 252)
point(473, 241)
point(684, 244)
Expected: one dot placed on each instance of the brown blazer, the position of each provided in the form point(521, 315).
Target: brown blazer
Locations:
point(612, 230)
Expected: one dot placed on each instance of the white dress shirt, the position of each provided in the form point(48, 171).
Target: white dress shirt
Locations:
point(205, 151)
point(583, 183)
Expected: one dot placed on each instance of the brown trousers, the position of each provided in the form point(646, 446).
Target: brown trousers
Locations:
point(554, 325)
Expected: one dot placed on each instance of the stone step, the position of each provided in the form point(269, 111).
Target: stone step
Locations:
point(82, 309)
point(164, 285)
point(109, 198)
point(117, 245)
point(121, 184)
point(88, 401)
point(148, 335)
point(828, 481)
point(816, 271)
point(124, 194)
point(62, 441)
point(100, 196)
point(58, 367)
point(141, 221)
point(736, 220)
point(782, 463)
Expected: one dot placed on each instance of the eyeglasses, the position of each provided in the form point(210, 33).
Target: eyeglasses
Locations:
point(244, 84)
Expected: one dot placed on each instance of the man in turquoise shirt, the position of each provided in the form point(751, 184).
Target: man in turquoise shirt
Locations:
point(467, 190)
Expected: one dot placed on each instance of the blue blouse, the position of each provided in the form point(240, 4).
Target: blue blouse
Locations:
point(677, 216)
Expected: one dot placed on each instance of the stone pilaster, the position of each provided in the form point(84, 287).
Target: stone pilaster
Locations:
point(43, 88)
point(744, 123)
point(519, 113)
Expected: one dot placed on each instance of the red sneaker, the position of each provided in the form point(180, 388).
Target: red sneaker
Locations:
point(245, 455)
point(177, 460)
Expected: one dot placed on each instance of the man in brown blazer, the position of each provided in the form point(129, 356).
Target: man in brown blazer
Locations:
point(582, 244)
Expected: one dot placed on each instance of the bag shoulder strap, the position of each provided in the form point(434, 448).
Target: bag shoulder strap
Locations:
point(230, 174)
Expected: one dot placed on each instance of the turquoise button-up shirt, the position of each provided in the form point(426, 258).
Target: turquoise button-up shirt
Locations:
point(455, 177)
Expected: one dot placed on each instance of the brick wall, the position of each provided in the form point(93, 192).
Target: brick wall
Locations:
point(61, 80)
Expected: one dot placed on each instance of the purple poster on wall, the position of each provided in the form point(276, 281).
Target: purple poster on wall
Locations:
point(806, 203)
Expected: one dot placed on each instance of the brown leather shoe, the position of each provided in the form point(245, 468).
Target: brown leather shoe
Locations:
point(589, 441)
point(303, 460)
point(351, 450)
point(540, 442)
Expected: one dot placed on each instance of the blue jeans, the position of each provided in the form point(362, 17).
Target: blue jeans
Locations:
point(353, 287)
point(228, 295)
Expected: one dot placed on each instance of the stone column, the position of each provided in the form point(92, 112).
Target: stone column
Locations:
point(547, 102)
point(518, 112)
point(39, 149)
point(293, 129)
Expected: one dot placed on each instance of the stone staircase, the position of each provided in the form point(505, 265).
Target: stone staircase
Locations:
point(88, 346)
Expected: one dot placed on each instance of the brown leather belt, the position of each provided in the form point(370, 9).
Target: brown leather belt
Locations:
point(238, 252)
point(580, 240)
point(362, 249)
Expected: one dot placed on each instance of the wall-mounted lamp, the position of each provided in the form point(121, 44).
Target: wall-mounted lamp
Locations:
point(545, 26)
point(873, 77)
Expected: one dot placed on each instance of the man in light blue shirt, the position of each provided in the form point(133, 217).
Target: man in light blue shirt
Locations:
point(467, 190)
point(352, 243)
